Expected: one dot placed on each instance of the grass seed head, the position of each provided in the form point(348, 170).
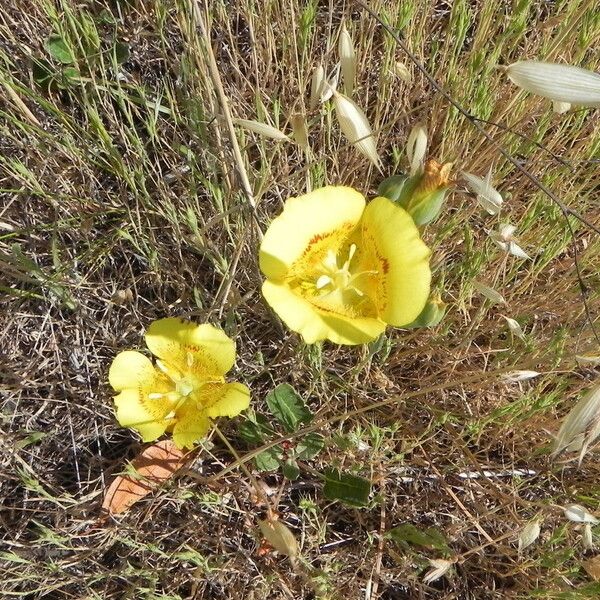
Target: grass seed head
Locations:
point(529, 534)
point(300, 130)
point(401, 70)
point(280, 537)
point(579, 514)
point(416, 148)
point(487, 195)
point(316, 86)
point(581, 427)
point(490, 293)
point(347, 60)
point(355, 127)
point(262, 129)
point(562, 83)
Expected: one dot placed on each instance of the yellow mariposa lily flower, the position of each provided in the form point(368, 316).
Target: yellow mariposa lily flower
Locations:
point(341, 270)
point(185, 389)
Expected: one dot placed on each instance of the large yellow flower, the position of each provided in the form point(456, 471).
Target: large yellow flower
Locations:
point(339, 270)
point(186, 387)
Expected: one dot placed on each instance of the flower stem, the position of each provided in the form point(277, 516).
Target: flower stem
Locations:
point(259, 491)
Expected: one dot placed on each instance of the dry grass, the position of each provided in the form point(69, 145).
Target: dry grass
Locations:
point(121, 204)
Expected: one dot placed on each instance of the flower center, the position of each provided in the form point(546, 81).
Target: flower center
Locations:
point(184, 384)
point(336, 279)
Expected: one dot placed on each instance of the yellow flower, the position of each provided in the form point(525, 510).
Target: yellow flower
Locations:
point(341, 271)
point(186, 387)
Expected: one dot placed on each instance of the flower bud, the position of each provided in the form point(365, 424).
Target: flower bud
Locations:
point(421, 195)
point(431, 315)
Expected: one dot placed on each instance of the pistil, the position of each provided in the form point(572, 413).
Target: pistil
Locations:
point(336, 279)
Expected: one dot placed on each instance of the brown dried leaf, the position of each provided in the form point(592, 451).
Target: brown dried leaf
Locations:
point(155, 465)
point(592, 567)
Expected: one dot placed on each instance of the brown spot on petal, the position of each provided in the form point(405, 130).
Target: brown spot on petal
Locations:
point(385, 265)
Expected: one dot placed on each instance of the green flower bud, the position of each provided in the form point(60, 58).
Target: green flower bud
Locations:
point(421, 195)
point(431, 315)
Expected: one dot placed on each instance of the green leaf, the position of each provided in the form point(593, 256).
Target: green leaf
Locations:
point(290, 469)
point(351, 489)
point(287, 407)
point(256, 431)
point(43, 73)
point(58, 49)
point(268, 460)
point(121, 52)
point(310, 446)
point(429, 538)
point(70, 77)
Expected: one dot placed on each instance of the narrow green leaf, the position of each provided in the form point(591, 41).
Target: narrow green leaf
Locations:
point(287, 407)
point(58, 49)
point(11, 556)
point(33, 438)
point(268, 460)
point(351, 489)
point(430, 538)
point(310, 446)
point(106, 17)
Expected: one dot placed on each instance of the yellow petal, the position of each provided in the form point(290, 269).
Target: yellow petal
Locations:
point(185, 346)
point(329, 212)
point(147, 417)
point(225, 399)
point(192, 425)
point(391, 245)
point(129, 369)
point(314, 324)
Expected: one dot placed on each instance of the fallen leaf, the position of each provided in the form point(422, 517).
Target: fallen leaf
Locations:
point(153, 466)
point(592, 567)
point(280, 537)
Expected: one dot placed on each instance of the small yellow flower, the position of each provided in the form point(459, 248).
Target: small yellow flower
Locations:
point(339, 270)
point(185, 389)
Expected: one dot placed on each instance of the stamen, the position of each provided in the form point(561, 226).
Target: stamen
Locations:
point(323, 281)
point(165, 370)
point(189, 359)
point(351, 253)
point(335, 280)
point(357, 275)
point(156, 396)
